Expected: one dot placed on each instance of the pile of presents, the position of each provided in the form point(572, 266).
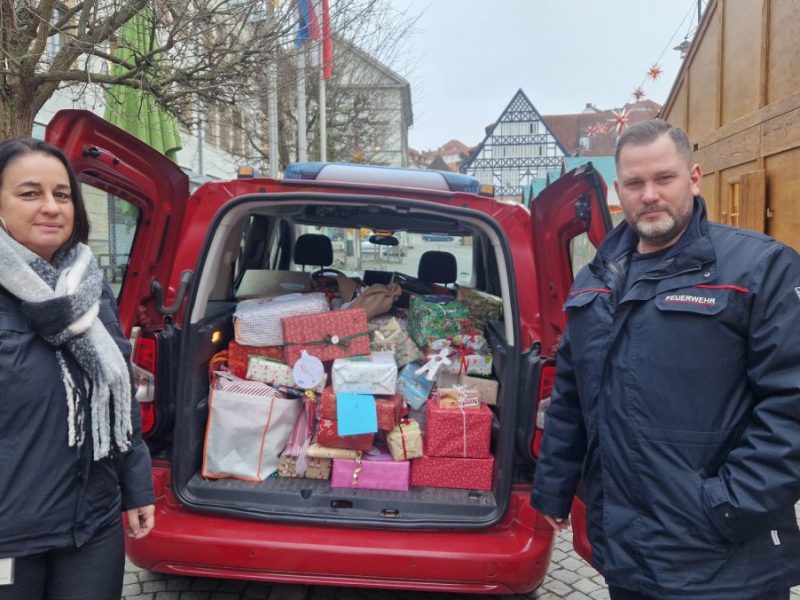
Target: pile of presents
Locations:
point(388, 391)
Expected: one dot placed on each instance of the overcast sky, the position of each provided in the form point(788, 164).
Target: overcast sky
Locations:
point(471, 56)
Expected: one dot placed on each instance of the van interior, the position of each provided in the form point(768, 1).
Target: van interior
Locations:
point(284, 243)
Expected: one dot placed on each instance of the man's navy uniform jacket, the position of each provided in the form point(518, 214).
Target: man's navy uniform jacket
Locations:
point(678, 404)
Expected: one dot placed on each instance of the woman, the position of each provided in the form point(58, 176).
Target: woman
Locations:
point(71, 454)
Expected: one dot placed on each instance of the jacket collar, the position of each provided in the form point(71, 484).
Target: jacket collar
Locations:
point(693, 249)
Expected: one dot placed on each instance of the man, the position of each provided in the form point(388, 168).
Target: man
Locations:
point(677, 395)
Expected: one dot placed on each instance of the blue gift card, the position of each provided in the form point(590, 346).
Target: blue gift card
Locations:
point(356, 413)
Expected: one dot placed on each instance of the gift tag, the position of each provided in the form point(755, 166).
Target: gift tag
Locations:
point(356, 413)
point(308, 371)
point(6, 571)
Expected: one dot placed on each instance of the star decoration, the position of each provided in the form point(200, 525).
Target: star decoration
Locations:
point(654, 72)
point(638, 93)
point(601, 128)
point(591, 131)
point(620, 120)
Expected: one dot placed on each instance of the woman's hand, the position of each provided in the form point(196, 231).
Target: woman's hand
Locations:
point(141, 521)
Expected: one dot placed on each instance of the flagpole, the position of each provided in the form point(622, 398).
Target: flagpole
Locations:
point(302, 152)
point(272, 99)
point(323, 111)
point(326, 69)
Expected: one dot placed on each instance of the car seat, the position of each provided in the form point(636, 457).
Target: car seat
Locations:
point(436, 266)
point(313, 249)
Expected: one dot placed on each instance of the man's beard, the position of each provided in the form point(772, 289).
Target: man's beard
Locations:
point(664, 230)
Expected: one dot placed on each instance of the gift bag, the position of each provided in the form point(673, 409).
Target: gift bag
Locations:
point(377, 299)
point(248, 426)
point(414, 388)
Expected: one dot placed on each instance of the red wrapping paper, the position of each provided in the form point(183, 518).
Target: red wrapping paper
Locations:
point(458, 473)
point(239, 355)
point(328, 435)
point(390, 409)
point(326, 335)
point(457, 432)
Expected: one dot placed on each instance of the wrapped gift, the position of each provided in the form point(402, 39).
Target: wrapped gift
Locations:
point(482, 306)
point(457, 432)
point(316, 468)
point(373, 374)
point(317, 450)
point(487, 388)
point(390, 409)
point(258, 322)
point(436, 317)
point(471, 364)
point(467, 353)
point(239, 356)
point(457, 397)
point(276, 373)
point(414, 388)
point(405, 440)
point(328, 435)
point(327, 335)
point(373, 471)
point(394, 337)
point(326, 285)
point(459, 473)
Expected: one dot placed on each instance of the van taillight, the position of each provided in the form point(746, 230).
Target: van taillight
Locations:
point(145, 355)
point(547, 378)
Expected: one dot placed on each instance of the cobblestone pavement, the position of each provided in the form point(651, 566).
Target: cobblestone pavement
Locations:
point(569, 578)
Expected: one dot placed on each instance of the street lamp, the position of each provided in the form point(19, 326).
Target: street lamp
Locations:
point(683, 47)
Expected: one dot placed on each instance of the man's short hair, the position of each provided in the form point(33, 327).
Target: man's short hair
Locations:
point(646, 132)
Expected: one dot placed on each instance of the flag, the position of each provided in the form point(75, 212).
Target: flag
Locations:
point(327, 42)
point(135, 109)
point(307, 25)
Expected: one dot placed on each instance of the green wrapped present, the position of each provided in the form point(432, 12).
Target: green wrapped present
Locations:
point(482, 306)
point(435, 317)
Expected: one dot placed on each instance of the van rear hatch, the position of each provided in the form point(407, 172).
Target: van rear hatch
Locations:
point(274, 220)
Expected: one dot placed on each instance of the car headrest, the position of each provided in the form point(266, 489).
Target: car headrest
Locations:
point(313, 249)
point(437, 267)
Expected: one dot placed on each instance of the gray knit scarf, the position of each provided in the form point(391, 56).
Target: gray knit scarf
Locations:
point(62, 301)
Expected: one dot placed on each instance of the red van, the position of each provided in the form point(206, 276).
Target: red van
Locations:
point(186, 258)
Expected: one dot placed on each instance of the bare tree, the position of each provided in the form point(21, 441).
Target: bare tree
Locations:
point(199, 52)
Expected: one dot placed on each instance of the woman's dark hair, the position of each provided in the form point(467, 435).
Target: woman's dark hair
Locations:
point(11, 149)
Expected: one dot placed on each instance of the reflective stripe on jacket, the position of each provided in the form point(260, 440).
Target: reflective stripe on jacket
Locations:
point(678, 405)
